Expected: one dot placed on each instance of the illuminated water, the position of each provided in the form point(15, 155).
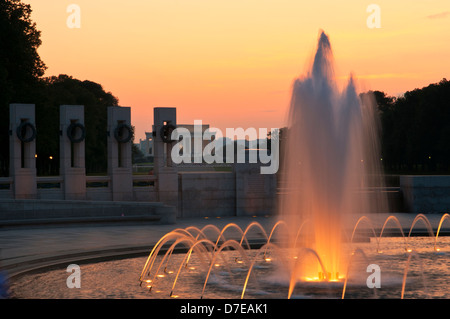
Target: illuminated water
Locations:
point(331, 158)
point(428, 277)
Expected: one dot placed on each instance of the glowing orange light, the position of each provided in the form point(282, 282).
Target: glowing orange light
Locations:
point(330, 277)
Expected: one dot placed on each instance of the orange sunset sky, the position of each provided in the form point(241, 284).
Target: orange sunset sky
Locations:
point(231, 63)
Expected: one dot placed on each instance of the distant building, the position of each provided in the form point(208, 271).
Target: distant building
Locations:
point(146, 145)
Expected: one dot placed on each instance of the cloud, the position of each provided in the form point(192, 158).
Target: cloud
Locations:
point(441, 15)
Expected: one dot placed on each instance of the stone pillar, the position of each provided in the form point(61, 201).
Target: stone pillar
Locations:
point(22, 150)
point(119, 153)
point(72, 151)
point(165, 119)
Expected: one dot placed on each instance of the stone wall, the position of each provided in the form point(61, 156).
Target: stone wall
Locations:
point(206, 194)
point(242, 192)
point(255, 192)
point(426, 194)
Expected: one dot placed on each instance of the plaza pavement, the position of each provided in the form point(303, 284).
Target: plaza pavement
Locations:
point(27, 248)
point(32, 247)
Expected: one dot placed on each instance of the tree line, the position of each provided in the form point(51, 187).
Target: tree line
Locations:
point(415, 130)
point(22, 81)
point(415, 127)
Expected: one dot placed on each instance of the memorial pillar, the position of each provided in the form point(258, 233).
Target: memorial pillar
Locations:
point(165, 121)
point(120, 136)
point(22, 150)
point(72, 151)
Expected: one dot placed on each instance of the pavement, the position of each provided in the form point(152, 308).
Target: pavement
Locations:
point(28, 248)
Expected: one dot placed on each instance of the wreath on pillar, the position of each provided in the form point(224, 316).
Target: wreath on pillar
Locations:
point(72, 135)
point(22, 130)
point(166, 133)
point(118, 133)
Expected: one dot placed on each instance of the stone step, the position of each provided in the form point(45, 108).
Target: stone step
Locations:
point(52, 212)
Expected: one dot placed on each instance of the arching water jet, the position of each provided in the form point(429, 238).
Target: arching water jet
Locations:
point(445, 216)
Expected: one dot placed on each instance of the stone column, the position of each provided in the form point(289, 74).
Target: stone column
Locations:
point(72, 151)
point(22, 150)
point(165, 170)
point(119, 153)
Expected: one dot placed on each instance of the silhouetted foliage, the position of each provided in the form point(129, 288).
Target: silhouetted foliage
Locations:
point(65, 90)
point(416, 129)
point(22, 81)
point(20, 65)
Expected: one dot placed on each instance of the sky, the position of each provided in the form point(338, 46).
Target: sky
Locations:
point(231, 63)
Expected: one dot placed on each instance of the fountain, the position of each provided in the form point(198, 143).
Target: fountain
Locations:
point(331, 159)
point(331, 177)
point(215, 259)
point(331, 171)
point(256, 261)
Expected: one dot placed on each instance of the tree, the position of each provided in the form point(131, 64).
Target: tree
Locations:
point(416, 129)
point(64, 89)
point(385, 106)
point(20, 65)
point(22, 81)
